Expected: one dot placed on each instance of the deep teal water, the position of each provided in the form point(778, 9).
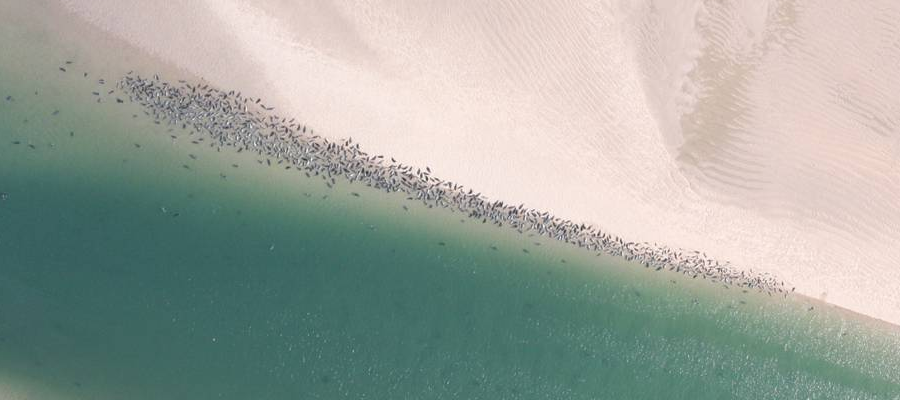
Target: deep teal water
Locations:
point(124, 274)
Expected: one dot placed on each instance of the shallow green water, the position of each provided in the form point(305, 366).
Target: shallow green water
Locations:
point(124, 274)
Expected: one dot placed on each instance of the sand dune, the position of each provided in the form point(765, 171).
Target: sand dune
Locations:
point(761, 132)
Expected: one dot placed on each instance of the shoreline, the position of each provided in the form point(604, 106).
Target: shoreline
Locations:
point(230, 120)
point(110, 301)
point(809, 261)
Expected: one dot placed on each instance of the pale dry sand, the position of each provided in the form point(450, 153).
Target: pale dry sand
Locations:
point(761, 132)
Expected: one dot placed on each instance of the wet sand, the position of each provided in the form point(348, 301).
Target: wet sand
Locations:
point(137, 265)
point(700, 127)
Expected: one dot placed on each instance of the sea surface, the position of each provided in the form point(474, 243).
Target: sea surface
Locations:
point(135, 265)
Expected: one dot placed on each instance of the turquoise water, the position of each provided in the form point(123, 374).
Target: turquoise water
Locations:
point(124, 274)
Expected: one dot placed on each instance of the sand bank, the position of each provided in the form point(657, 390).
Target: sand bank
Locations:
point(764, 133)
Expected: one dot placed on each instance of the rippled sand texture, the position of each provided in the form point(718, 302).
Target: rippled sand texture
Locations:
point(759, 132)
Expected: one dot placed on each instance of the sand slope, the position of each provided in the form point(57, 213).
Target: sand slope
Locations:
point(762, 132)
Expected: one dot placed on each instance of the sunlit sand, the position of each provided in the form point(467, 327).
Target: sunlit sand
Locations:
point(762, 133)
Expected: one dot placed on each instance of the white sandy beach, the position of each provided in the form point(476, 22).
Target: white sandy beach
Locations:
point(761, 132)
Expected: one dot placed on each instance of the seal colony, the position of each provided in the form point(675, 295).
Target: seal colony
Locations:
point(231, 120)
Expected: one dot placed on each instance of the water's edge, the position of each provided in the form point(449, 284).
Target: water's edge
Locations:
point(133, 268)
